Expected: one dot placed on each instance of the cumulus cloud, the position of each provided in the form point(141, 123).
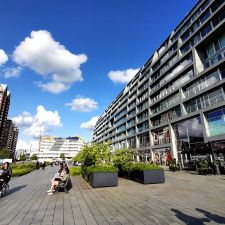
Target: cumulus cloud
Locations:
point(82, 104)
point(3, 57)
point(25, 119)
point(41, 53)
point(122, 76)
point(12, 72)
point(28, 145)
point(53, 87)
point(40, 123)
point(90, 125)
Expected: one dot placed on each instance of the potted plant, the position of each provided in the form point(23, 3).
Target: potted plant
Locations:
point(146, 173)
point(122, 159)
point(96, 165)
point(103, 175)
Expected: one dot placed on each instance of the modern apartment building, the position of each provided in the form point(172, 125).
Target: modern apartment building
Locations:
point(8, 131)
point(52, 147)
point(175, 105)
point(9, 137)
point(4, 109)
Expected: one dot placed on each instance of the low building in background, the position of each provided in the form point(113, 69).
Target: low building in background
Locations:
point(50, 148)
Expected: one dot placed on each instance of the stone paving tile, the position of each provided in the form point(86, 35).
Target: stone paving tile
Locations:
point(184, 199)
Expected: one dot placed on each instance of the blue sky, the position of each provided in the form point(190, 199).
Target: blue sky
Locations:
point(92, 37)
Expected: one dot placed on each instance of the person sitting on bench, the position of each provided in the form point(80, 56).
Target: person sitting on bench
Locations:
point(61, 180)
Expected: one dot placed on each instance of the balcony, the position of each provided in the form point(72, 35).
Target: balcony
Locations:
point(167, 104)
point(202, 84)
point(162, 140)
point(144, 144)
point(215, 58)
point(144, 128)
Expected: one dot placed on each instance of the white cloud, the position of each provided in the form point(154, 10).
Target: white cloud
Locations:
point(23, 120)
point(31, 145)
point(3, 57)
point(90, 125)
point(40, 123)
point(21, 144)
point(53, 87)
point(122, 76)
point(82, 104)
point(12, 72)
point(41, 53)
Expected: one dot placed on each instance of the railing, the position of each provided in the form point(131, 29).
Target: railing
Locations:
point(172, 74)
point(142, 118)
point(162, 140)
point(175, 85)
point(144, 128)
point(131, 132)
point(130, 124)
point(143, 107)
point(145, 144)
point(215, 58)
point(204, 84)
point(167, 104)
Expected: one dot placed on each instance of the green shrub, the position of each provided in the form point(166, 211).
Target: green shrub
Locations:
point(122, 158)
point(92, 154)
point(146, 166)
point(128, 166)
point(203, 167)
point(173, 165)
point(75, 170)
point(21, 171)
point(105, 167)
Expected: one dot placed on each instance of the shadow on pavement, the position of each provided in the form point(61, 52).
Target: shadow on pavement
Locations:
point(216, 218)
point(189, 220)
point(15, 189)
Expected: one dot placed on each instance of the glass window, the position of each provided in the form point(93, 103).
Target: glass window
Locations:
point(222, 41)
point(222, 74)
point(206, 30)
point(205, 16)
point(215, 114)
point(216, 96)
point(190, 130)
point(210, 49)
point(191, 107)
point(216, 122)
point(216, 45)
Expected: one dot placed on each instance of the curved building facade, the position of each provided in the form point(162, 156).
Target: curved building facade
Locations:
point(175, 105)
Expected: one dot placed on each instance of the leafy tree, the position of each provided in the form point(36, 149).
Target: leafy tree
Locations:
point(34, 157)
point(4, 153)
point(93, 154)
point(62, 156)
point(122, 157)
point(23, 156)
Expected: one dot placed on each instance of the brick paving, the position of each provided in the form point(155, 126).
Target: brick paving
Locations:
point(183, 199)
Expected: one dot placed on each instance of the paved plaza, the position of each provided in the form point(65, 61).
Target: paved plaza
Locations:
point(184, 199)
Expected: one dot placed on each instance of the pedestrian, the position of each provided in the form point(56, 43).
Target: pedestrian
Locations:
point(43, 165)
point(37, 165)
